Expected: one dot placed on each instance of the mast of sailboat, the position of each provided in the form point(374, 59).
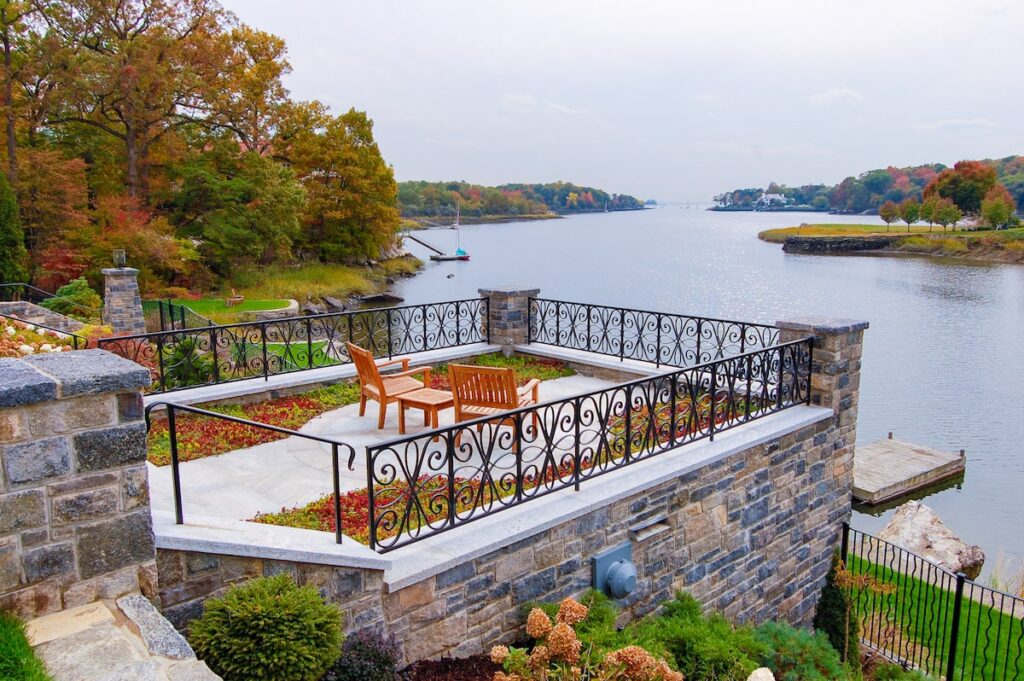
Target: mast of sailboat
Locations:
point(458, 232)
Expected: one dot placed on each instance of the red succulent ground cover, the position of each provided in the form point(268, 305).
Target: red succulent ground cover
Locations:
point(201, 436)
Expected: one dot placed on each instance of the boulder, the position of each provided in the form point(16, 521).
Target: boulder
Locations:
point(335, 304)
point(917, 528)
point(761, 674)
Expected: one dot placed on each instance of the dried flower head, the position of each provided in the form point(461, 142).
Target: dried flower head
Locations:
point(563, 644)
point(637, 664)
point(540, 658)
point(538, 624)
point(666, 673)
point(572, 612)
point(499, 654)
point(502, 676)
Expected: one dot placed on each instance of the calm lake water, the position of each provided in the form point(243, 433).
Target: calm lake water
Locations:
point(942, 359)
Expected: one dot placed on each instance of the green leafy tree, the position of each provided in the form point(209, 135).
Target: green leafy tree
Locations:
point(910, 212)
point(889, 212)
point(947, 213)
point(241, 208)
point(927, 211)
point(998, 208)
point(12, 239)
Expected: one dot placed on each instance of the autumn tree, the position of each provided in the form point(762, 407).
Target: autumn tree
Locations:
point(910, 212)
point(137, 69)
point(998, 208)
point(889, 212)
point(12, 18)
point(927, 211)
point(351, 210)
point(12, 240)
point(965, 184)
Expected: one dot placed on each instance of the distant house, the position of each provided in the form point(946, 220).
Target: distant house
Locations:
point(767, 200)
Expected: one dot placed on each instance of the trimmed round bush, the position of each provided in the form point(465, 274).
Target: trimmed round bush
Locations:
point(268, 629)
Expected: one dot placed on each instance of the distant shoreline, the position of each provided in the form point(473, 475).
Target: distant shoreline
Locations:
point(445, 221)
point(1002, 246)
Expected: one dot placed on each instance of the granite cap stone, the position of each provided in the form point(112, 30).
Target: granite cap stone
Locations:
point(90, 372)
point(508, 291)
point(21, 384)
point(822, 325)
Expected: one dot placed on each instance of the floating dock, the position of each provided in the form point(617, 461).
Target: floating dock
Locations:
point(890, 468)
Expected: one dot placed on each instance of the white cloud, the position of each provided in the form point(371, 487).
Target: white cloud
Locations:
point(564, 109)
point(835, 94)
point(956, 123)
point(519, 102)
point(706, 98)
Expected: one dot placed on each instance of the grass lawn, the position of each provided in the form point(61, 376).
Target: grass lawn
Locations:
point(779, 235)
point(318, 280)
point(991, 643)
point(17, 660)
point(214, 306)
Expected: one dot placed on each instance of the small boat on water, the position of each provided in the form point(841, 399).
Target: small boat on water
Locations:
point(459, 253)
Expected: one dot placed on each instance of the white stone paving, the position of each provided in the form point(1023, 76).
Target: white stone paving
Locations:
point(294, 471)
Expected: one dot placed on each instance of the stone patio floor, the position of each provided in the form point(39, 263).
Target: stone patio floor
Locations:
point(294, 471)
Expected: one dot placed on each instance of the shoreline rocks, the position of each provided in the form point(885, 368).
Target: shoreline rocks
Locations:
point(918, 529)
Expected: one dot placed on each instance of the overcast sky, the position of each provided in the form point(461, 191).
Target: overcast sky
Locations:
point(670, 100)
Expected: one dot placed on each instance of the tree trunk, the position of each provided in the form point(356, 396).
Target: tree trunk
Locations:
point(131, 148)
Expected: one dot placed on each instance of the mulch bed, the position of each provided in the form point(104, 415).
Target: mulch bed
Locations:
point(475, 668)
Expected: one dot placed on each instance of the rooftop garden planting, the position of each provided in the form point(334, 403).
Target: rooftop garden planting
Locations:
point(21, 339)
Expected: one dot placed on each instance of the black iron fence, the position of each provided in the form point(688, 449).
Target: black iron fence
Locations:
point(655, 337)
point(174, 317)
point(186, 358)
point(337, 449)
point(923, 616)
point(435, 481)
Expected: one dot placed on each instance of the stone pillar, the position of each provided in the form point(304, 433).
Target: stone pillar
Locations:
point(508, 316)
point(122, 304)
point(75, 524)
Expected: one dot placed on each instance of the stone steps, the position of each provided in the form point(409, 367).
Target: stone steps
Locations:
point(113, 641)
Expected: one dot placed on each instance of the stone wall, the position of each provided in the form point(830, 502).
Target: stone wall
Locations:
point(122, 303)
point(74, 501)
point(36, 314)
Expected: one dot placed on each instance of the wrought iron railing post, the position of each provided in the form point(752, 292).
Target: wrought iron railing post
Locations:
point(576, 448)
point(172, 431)
point(628, 416)
point(845, 548)
point(160, 362)
point(714, 399)
point(781, 377)
point(372, 529)
point(160, 310)
point(309, 342)
point(458, 327)
point(673, 405)
point(954, 633)
point(263, 340)
point(622, 335)
point(336, 477)
point(657, 344)
point(423, 317)
point(558, 322)
point(700, 324)
point(449, 449)
point(387, 316)
point(182, 315)
point(487, 318)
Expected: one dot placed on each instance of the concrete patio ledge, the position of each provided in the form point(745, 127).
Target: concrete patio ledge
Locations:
point(256, 540)
point(424, 559)
point(631, 366)
point(223, 391)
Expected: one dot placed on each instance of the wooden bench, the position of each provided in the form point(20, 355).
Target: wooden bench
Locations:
point(386, 388)
point(489, 391)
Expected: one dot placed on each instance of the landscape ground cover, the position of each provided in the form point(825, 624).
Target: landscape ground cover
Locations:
point(926, 612)
point(779, 234)
point(315, 280)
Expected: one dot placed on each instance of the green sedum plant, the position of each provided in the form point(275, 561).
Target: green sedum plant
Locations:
point(268, 629)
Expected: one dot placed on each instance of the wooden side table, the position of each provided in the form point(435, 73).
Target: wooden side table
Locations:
point(429, 400)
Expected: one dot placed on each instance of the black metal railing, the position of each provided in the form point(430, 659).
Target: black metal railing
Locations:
point(655, 337)
point(923, 616)
point(418, 487)
point(174, 317)
point(18, 291)
point(209, 355)
point(77, 342)
point(337, 447)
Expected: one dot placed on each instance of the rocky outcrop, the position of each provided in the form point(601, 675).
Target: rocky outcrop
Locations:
point(825, 245)
point(917, 528)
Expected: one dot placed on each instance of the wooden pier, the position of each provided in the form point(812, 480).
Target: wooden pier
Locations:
point(891, 468)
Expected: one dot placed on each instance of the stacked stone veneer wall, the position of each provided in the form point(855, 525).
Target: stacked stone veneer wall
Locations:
point(750, 534)
point(36, 314)
point(508, 313)
point(74, 504)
